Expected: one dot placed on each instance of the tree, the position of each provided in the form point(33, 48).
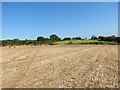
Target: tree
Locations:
point(113, 38)
point(108, 38)
point(0, 43)
point(101, 38)
point(6, 42)
point(54, 37)
point(40, 39)
point(118, 39)
point(15, 41)
point(67, 38)
point(94, 37)
point(76, 38)
point(27, 42)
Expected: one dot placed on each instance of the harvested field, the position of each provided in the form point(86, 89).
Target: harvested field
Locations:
point(77, 66)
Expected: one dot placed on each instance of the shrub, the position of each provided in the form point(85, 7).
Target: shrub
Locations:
point(94, 37)
point(49, 42)
point(40, 39)
point(76, 38)
point(70, 42)
point(67, 38)
point(54, 38)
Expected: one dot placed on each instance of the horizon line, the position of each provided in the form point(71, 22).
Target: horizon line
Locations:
point(60, 37)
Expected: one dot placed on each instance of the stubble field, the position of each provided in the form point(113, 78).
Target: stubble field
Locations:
point(76, 66)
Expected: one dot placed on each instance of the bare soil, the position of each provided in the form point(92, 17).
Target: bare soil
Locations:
point(66, 66)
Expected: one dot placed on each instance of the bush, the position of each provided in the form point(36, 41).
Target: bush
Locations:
point(67, 38)
point(54, 38)
point(49, 42)
point(40, 39)
point(118, 39)
point(0, 43)
point(76, 38)
point(94, 37)
point(70, 42)
point(39, 43)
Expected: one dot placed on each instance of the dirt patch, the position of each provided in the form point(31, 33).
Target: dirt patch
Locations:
point(76, 66)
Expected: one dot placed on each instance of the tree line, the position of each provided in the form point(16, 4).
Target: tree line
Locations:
point(53, 38)
point(112, 38)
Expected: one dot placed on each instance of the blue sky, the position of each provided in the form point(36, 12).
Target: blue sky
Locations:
point(25, 20)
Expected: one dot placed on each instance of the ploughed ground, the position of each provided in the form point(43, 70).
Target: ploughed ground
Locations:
point(65, 66)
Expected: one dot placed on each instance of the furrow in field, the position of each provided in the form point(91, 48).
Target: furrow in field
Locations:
point(43, 53)
point(99, 75)
point(63, 66)
point(14, 72)
point(51, 65)
point(81, 68)
point(86, 79)
point(14, 55)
